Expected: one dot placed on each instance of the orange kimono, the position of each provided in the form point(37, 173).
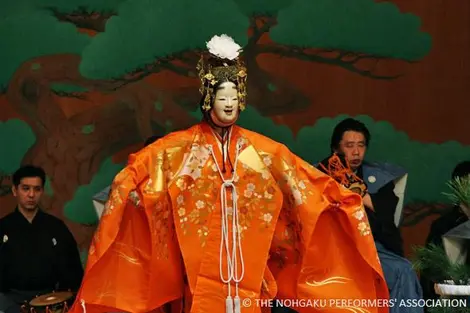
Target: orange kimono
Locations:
point(161, 238)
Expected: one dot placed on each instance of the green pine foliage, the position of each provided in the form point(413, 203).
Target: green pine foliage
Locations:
point(460, 190)
point(432, 261)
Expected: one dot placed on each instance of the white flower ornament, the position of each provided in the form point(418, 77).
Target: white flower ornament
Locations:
point(224, 47)
point(5, 238)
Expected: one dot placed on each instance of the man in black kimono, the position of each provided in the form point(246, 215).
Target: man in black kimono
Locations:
point(351, 139)
point(38, 254)
point(451, 219)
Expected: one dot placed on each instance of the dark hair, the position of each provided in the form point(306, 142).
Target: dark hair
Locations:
point(461, 170)
point(28, 171)
point(345, 125)
point(151, 140)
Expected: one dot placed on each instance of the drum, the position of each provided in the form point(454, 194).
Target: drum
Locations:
point(56, 302)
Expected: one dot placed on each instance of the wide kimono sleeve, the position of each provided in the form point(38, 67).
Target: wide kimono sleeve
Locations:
point(134, 263)
point(323, 248)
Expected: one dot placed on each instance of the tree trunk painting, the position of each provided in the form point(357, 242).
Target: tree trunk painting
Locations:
point(69, 50)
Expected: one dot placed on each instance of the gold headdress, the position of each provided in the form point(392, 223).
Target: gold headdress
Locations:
point(222, 65)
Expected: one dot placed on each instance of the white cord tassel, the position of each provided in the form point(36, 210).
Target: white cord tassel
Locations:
point(82, 302)
point(229, 304)
point(232, 304)
point(236, 303)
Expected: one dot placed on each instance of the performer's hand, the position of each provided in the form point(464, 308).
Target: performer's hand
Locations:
point(367, 200)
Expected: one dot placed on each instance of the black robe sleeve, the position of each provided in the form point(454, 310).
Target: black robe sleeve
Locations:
point(383, 219)
point(70, 269)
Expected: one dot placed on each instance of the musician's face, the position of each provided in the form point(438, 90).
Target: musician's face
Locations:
point(28, 193)
point(353, 146)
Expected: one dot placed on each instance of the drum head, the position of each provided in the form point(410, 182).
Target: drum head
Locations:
point(51, 298)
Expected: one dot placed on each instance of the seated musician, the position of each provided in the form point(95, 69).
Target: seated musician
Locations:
point(350, 139)
point(454, 217)
point(38, 254)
